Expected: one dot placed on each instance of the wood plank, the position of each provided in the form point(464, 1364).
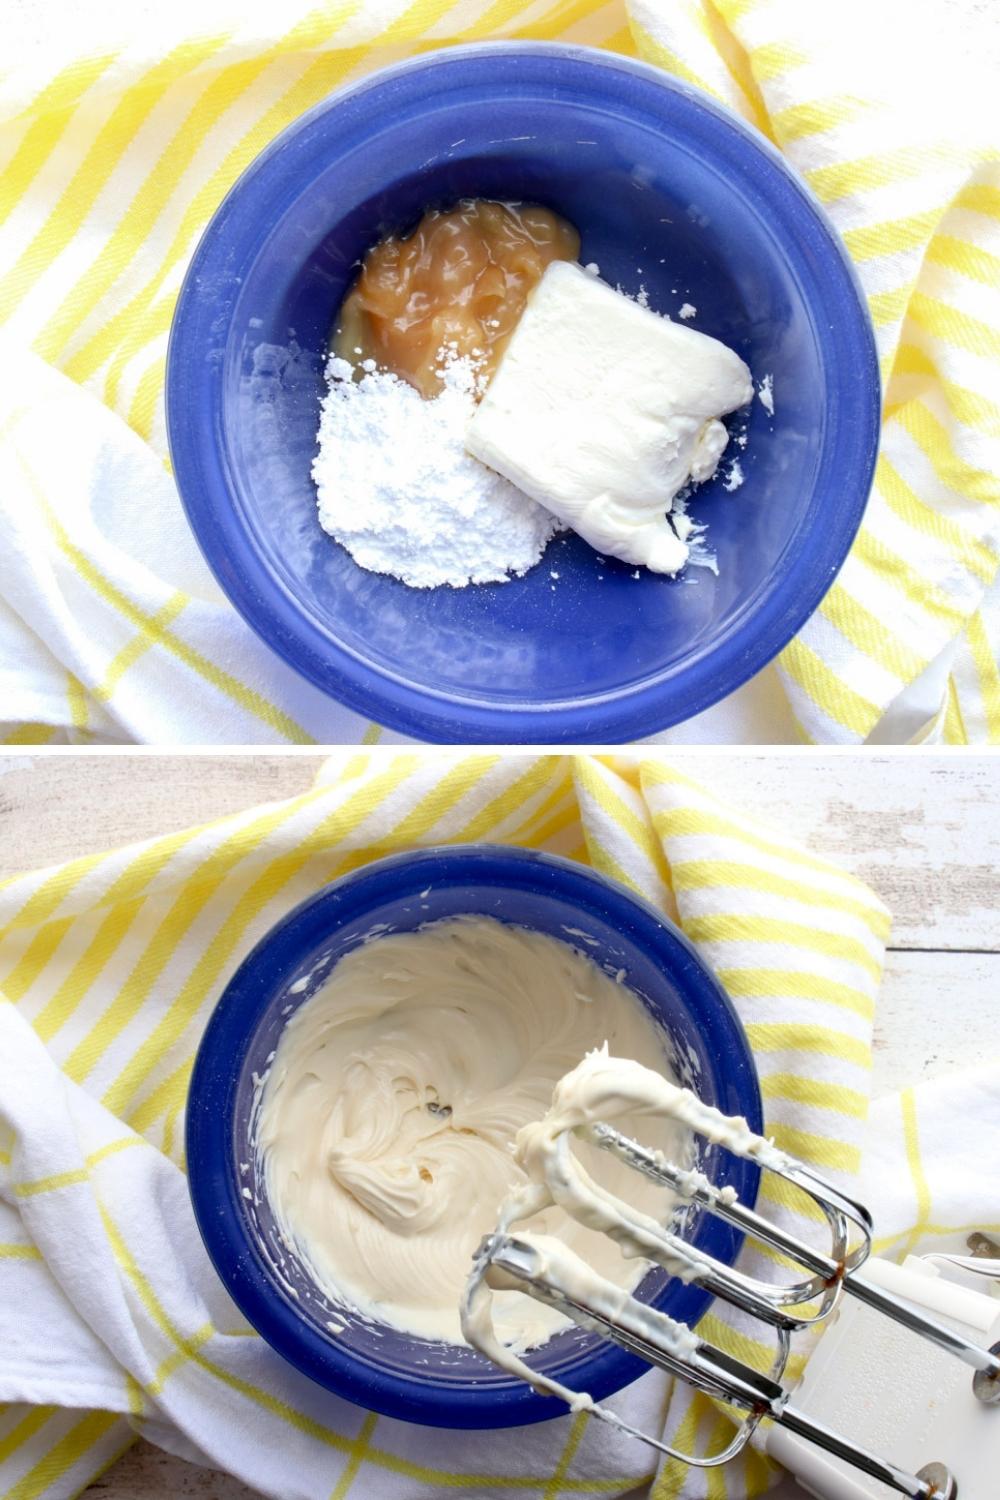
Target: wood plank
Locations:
point(56, 806)
point(937, 1013)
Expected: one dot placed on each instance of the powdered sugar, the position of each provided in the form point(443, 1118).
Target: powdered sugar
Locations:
point(397, 489)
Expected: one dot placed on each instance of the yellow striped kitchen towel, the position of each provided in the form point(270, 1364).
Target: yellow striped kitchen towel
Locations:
point(111, 1320)
point(116, 144)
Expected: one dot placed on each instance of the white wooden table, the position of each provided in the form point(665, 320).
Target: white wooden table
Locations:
point(924, 830)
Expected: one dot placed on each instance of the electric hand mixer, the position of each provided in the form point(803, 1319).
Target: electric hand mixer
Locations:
point(548, 1271)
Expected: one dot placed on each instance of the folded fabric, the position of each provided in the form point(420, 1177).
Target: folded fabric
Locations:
point(112, 1321)
point(120, 140)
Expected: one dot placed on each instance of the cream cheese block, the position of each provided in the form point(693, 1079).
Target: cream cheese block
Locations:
point(602, 411)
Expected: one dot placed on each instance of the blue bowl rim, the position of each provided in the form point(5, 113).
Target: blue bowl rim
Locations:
point(213, 1181)
point(722, 665)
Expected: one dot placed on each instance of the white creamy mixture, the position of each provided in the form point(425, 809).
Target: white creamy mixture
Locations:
point(607, 1089)
point(603, 411)
point(387, 1118)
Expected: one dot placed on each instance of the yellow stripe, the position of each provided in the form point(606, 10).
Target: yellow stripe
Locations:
point(30, 734)
point(865, 173)
point(890, 307)
point(965, 259)
point(735, 10)
point(635, 828)
point(775, 59)
point(446, 793)
point(987, 673)
point(731, 927)
point(173, 1362)
point(19, 1252)
point(828, 691)
point(142, 410)
point(53, 108)
point(817, 117)
point(673, 1472)
point(78, 1174)
point(937, 1230)
point(85, 971)
point(134, 1396)
point(44, 901)
point(758, 1353)
point(25, 1429)
point(720, 1436)
point(968, 407)
point(872, 636)
point(578, 1427)
point(982, 198)
point(248, 699)
point(136, 875)
point(692, 874)
point(904, 501)
point(372, 734)
point(954, 471)
point(621, 41)
point(490, 817)
point(112, 140)
point(791, 1199)
point(817, 1150)
point(654, 51)
point(788, 1036)
point(39, 951)
point(551, 830)
point(791, 984)
point(949, 323)
point(896, 570)
point(357, 1459)
point(605, 863)
point(560, 798)
point(170, 1127)
point(815, 1093)
point(147, 638)
point(954, 728)
point(67, 1452)
point(51, 1184)
point(911, 1135)
point(732, 55)
point(893, 236)
point(78, 715)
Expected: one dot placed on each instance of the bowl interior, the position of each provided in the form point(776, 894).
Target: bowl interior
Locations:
point(667, 195)
point(374, 1363)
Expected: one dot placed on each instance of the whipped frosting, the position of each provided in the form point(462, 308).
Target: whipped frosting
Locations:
point(387, 1119)
point(602, 411)
point(601, 1089)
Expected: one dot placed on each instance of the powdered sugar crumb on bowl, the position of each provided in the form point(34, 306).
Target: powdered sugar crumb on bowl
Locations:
point(397, 489)
point(766, 393)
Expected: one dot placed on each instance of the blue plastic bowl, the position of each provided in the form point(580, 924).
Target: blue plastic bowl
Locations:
point(669, 191)
point(389, 1372)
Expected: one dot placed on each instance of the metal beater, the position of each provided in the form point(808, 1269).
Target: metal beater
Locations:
point(827, 1278)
